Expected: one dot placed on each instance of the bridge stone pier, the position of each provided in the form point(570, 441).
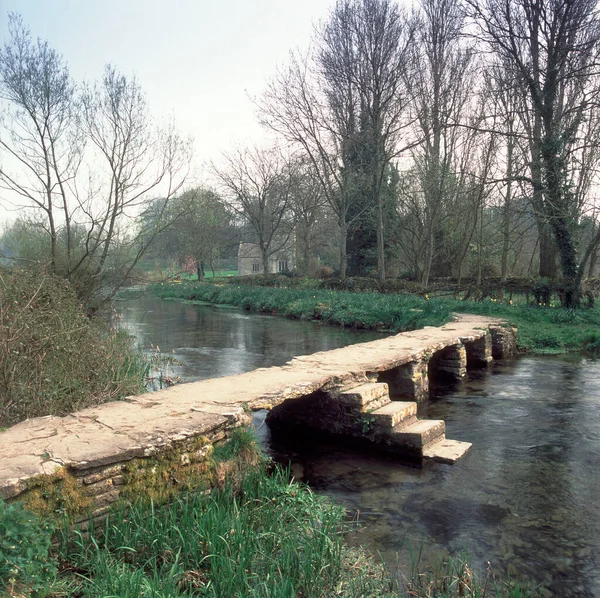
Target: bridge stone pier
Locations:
point(367, 393)
point(379, 406)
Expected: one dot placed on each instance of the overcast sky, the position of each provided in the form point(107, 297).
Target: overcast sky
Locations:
point(197, 60)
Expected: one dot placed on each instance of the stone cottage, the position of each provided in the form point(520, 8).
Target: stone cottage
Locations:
point(250, 260)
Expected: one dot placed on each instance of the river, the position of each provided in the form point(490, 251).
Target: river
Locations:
point(526, 498)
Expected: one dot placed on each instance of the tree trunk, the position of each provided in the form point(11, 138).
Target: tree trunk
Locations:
point(307, 252)
point(506, 211)
point(428, 259)
point(265, 261)
point(343, 251)
point(593, 260)
point(380, 241)
point(571, 278)
point(548, 264)
point(200, 269)
point(53, 242)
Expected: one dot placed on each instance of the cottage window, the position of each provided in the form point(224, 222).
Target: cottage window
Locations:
point(282, 266)
point(255, 267)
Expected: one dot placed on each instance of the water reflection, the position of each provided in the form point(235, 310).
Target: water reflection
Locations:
point(209, 341)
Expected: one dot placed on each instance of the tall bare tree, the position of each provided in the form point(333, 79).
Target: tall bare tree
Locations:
point(300, 104)
point(309, 206)
point(344, 106)
point(552, 48)
point(138, 160)
point(41, 143)
point(443, 87)
point(385, 35)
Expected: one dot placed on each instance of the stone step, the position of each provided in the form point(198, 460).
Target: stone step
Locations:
point(446, 451)
point(418, 434)
point(371, 395)
point(390, 415)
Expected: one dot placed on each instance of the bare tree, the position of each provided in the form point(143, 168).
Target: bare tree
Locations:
point(138, 160)
point(300, 104)
point(443, 87)
point(53, 132)
point(552, 49)
point(344, 106)
point(257, 185)
point(384, 35)
point(41, 143)
point(308, 205)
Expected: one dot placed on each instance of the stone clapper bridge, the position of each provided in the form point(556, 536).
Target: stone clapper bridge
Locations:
point(367, 392)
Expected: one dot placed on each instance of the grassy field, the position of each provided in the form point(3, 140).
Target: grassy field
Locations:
point(258, 534)
point(208, 274)
point(542, 329)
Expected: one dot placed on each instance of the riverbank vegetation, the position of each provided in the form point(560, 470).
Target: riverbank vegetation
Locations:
point(542, 329)
point(53, 358)
point(256, 534)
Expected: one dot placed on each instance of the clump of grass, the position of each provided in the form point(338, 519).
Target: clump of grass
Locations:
point(455, 578)
point(267, 537)
point(591, 343)
point(53, 358)
point(541, 329)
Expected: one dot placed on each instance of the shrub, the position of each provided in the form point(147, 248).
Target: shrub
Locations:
point(25, 567)
point(591, 343)
point(324, 272)
point(53, 358)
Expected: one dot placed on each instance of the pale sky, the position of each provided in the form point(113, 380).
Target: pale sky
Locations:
point(197, 60)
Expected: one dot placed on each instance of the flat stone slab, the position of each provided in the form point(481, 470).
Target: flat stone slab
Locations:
point(420, 433)
point(124, 429)
point(446, 451)
point(392, 414)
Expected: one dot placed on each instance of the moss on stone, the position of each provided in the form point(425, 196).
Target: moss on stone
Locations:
point(182, 467)
point(56, 494)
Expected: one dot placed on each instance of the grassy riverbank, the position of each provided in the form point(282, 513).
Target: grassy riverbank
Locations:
point(541, 329)
point(256, 535)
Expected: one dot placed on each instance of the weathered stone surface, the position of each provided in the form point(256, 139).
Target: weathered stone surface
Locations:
point(365, 397)
point(479, 352)
point(419, 434)
point(105, 500)
point(450, 362)
point(504, 341)
point(390, 415)
point(409, 381)
point(446, 451)
point(102, 474)
point(98, 488)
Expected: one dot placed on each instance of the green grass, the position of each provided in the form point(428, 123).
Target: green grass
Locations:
point(256, 534)
point(259, 534)
point(208, 274)
point(541, 329)
point(270, 537)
